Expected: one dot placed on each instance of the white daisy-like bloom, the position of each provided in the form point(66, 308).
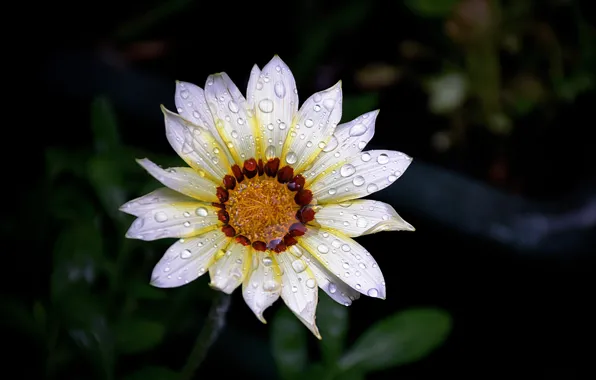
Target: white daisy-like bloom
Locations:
point(271, 200)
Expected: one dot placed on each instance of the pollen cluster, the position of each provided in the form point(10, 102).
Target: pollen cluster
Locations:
point(264, 206)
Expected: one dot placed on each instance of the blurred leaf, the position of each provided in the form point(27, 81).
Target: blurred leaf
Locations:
point(356, 105)
point(143, 290)
point(104, 125)
point(332, 319)
point(107, 178)
point(431, 8)
point(403, 338)
point(150, 18)
point(153, 373)
point(60, 161)
point(288, 342)
point(78, 258)
point(569, 88)
point(70, 203)
point(137, 335)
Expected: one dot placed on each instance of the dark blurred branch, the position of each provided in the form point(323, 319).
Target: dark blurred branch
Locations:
point(446, 198)
point(209, 333)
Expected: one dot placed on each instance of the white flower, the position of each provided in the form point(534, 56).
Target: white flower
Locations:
point(271, 197)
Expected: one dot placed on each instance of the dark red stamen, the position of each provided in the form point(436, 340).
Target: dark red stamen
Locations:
point(290, 240)
point(223, 216)
point(241, 239)
point(280, 247)
point(229, 182)
point(297, 229)
point(259, 246)
point(271, 167)
point(305, 214)
point(260, 168)
point(220, 205)
point(303, 197)
point(222, 194)
point(250, 168)
point(237, 173)
point(296, 183)
point(285, 174)
point(229, 231)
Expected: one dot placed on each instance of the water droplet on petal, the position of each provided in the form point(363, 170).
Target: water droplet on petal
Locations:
point(184, 94)
point(186, 254)
point(323, 248)
point(270, 151)
point(358, 130)
point(371, 188)
point(233, 106)
point(187, 224)
point(267, 261)
point(392, 178)
point(332, 191)
point(160, 217)
point(270, 285)
point(383, 159)
point(361, 222)
point(309, 123)
point(317, 108)
point(266, 105)
point(345, 248)
point(332, 288)
point(317, 97)
point(365, 157)
point(332, 144)
point(299, 266)
point(358, 180)
point(201, 211)
point(347, 170)
point(280, 90)
point(311, 283)
point(329, 104)
point(373, 292)
point(282, 125)
point(186, 214)
point(291, 158)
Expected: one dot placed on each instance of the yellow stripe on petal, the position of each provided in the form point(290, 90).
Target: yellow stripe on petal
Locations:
point(262, 286)
point(231, 267)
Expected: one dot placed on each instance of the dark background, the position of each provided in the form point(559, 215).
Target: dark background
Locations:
point(501, 191)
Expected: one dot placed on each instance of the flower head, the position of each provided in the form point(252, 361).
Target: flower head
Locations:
point(271, 198)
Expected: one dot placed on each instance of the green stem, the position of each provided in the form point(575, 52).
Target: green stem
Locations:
point(214, 324)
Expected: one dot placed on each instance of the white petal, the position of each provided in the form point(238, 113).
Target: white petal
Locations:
point(188, 259)
point(275, 104)
point(360, 175)
point(197, 146)
point(230, 270)
point(299, 289)
point(262, 286)
point(158, 198)
point(347, 259)
point(360, 217)
point(312, 128)
point(338, 290)
point(252, 86)
point(348, 140)
point(183, 180)
point(191, 105)
point(234, 124)
point(179, 220)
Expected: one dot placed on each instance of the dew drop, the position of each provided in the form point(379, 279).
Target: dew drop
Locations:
point(358, 130)
point(332, 288)
point(294, 289)
point(317, 108)
point(332, 144)
point(323, 248)
point(347, 170)
point(309, 144)
point(383, 159)
point(358, 286)
point(233, 106)
point(332, 191)
point(184, 94)
point(291, 158)
point(365, 157)
point(280, 90)
point(322, 145)
point(311, 283)
point(362, 266)
point(373, 292)
point(240, 121)
point(266, 105)
point(309, 123)
point(371, 188)
point(392, 178)
point(186, 214)
point(161, 217)
point(345, 248)
point(358, 180)
point(270, 126)
point(235, 134)
point(186, 254)
point(329, 104)
point(267, 261)
point(361, 222)
point(201, 211)
point(270, 151)
point(186, 224)
point(270, 285)
point(282, 125)
point(317, 97)
point(298, 266)
point(196, 115)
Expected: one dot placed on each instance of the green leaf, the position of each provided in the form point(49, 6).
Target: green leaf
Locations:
point(288, 344)
point(68, 202)
point(104, 126)
point(137, 335)
point(60, 161)
point(356, 105)
point(332, 319)
point(78, 258)
point(107, 178)
point(403, 338)
point(431, 8)
point(153, 373)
